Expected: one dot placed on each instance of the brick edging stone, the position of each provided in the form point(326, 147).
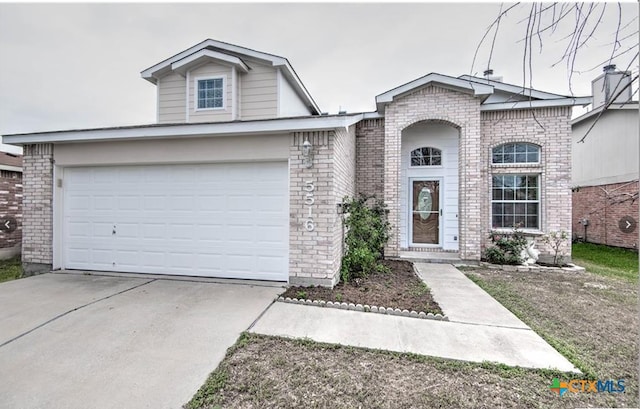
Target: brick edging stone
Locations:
point(365, 308)
point(533, 268)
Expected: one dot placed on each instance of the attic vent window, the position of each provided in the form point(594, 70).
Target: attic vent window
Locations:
point(211, 93)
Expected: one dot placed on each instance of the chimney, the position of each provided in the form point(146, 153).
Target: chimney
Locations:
point(488, 75)
point(607, 85)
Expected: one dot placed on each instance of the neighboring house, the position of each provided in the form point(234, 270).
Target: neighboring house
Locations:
point(605, 165)
point(243, 177)
point(10, 204)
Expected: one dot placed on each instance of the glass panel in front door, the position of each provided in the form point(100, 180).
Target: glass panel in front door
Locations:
point(425, 212)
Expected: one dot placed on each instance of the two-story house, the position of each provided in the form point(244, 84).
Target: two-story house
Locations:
point(243, 177)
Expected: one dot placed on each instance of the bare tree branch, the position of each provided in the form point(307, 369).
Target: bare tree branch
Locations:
point(616, 44)
point(473, 62)
point(593, 124)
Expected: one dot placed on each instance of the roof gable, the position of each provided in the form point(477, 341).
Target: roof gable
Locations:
point(231, 54)
point(445, 81)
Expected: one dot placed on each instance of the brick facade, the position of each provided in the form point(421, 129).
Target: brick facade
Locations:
point(315, 256)
point(370, 157)
point(366, 158)
point(456, 109)
point(550, 129)
point(11, 206)
point(603, 206)
point(37, 241)
point(379, 147)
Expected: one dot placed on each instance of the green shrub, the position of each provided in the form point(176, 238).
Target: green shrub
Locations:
point(367, 234)
point(507, 247)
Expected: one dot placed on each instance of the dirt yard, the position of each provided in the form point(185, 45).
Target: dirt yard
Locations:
point(398, 288)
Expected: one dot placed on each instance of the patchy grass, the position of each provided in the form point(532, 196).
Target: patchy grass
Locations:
point(606, 261)
point(10, 269)
point(398, 287)
point(591, 319)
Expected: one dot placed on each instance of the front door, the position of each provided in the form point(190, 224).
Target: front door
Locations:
point(424, 225)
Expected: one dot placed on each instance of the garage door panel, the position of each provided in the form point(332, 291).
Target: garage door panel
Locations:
point(220, 220)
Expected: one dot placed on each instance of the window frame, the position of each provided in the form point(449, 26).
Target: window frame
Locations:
point(514, 201)
point(515, 163)
point(411, 165)
point(196, 89)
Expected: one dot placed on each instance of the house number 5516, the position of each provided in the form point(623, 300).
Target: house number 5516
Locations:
point(309, 201)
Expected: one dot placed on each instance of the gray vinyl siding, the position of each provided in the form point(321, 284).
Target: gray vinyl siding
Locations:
point(259, 93)
point(171, 95)
point(211, 115)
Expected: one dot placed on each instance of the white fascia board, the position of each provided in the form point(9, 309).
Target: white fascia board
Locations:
point(271, 126)
point(11, 168)
point(372, 115)
point(631, 105)
point(448, 82)
point(538, 103)
point(475, 88)
point(513, 89)
point(230, 59)
point(148, 74)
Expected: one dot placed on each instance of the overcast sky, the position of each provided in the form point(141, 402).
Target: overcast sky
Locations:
point(69, 66)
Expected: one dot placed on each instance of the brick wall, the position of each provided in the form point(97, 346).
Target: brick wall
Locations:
point(11, 206)
point(370, 157)
point(344, 183)
point(315, 256)
point(311, 252)
point(603, 206)
point(37, 247)
point(550, 128)
point(461, 111)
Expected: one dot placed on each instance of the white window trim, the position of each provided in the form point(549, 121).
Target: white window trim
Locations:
point(515, 164)
point(224, 93)
point(527, 230)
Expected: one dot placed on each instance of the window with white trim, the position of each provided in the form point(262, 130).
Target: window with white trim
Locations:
point(426, 157)
point(515, 201)
point(211, 93)
point(517, 152)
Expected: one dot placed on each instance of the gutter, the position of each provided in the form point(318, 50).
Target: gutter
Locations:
point(268, 126)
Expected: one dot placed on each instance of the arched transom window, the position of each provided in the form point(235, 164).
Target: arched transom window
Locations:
point(426, 157)
point(518, 152)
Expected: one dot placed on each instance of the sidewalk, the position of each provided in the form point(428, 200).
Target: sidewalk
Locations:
point(480, 328)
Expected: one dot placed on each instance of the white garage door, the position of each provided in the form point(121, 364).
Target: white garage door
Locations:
point(216, 220)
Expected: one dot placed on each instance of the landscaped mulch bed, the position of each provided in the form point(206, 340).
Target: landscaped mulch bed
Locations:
point(398, 288)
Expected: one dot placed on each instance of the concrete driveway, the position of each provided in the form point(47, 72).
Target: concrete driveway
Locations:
point(91, 341)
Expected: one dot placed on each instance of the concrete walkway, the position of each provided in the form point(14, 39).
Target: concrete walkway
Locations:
point(480, 329)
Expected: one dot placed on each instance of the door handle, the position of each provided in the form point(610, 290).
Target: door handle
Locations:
point(440, 212)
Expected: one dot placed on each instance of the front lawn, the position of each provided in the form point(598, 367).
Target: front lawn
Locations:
point(591, 319)
point(606, 261)
point(10, 269)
